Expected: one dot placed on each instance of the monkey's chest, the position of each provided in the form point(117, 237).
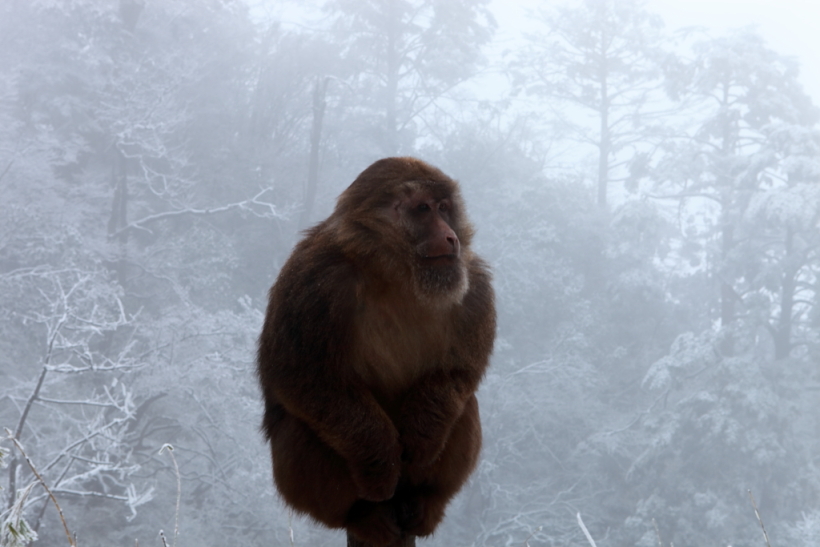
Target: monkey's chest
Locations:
point(394, 350)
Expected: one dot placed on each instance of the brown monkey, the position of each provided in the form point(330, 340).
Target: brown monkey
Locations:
point(378, 331)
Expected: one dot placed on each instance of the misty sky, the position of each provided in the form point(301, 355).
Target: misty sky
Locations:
point(789, 26)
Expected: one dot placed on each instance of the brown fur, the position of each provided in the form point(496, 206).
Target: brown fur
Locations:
point(372, 349)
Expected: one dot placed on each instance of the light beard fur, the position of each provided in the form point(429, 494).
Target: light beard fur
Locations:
point(442, 285)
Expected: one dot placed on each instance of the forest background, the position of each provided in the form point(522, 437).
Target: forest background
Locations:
point(649, 200)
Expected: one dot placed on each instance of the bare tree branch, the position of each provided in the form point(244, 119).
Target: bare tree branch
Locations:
point(243, 205)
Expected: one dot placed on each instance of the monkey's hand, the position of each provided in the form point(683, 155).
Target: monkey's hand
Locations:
point(429, 412)
point(376, 476)
point(422, 447)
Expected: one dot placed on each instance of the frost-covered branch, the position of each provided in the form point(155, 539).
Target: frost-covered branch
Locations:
point(246, 205)
point(43, 483)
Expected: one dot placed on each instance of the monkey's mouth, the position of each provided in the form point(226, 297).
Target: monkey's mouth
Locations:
point(440, 259)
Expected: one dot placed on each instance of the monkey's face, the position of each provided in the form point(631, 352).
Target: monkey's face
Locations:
point(428, 217)
point(404, 219)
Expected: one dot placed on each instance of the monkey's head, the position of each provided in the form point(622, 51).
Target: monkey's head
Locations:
point(407, 219)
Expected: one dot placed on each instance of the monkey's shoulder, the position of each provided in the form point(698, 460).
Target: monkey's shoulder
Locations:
point(313, 297)
point(318, 267)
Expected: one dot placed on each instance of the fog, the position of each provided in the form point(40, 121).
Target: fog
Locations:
point(648, 197)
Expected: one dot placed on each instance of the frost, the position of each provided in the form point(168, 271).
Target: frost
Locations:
point(806, 531)
point(136, 499)
point(14, 530)
point(688, 351)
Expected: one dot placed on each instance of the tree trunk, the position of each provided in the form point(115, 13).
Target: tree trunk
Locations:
point(391, 139)
point(783, 334)
point(603, 156)
point(119, 212)
point(315, 140)
point(727, 292)
point(727, 234)
point(406, 541)
point(605, 145)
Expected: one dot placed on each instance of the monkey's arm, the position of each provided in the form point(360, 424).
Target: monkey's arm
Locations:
point(304, 366)
point(437, 400)
point(429, 413)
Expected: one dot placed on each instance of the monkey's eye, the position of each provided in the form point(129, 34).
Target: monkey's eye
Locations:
point(423, 207)
point(443, 207)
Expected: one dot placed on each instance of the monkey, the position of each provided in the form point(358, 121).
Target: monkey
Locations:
point(378, 330)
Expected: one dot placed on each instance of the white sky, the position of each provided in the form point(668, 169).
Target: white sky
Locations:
point(790, 27)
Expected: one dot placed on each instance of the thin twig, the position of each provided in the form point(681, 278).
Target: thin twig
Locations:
point(6, 170)
point(21, 422)
point(162, 537)
point(45, 486)
point(584, 528)
point(244, 205)
point(760, 520)
point(529, 537)
point(179, 488)
point(33, 397)
point(657, 533)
